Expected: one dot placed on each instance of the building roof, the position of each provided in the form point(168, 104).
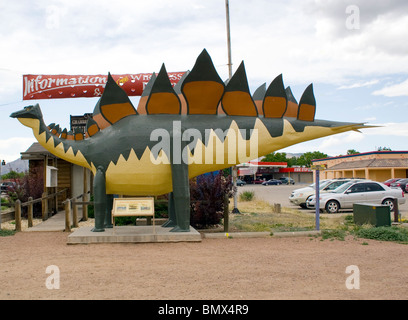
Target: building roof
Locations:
point(362, 154)
point(35, 152)
point(371, 163)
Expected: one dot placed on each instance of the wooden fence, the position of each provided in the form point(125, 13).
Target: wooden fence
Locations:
point(72, 205)
point(30, 203)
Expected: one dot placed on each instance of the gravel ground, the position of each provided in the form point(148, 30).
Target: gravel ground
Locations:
point(238, 269)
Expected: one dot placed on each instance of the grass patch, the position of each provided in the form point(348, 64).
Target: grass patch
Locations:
point(394, 234)
point(334, 234)
point(259, 216)
point(7, 233)
point(247, 196)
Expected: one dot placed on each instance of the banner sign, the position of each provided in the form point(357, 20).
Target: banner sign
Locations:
point(80, 86)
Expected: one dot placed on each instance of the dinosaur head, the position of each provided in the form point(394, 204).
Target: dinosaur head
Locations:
point(29, 115)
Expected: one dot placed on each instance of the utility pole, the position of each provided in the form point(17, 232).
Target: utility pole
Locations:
point(234, 168)
point(2, 163)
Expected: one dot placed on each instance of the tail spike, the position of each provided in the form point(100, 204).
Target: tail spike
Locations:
point(163, 99)
point(78, 135)
point(177, 90)
point(141, 108)
point(92, 127)
point(64, 134)
point(258, 97)
point(275, 101)
point(237, 99)
point(203, 87)
point(293, 106)
point(56, 131)
point(114, 103)
point(307, 105)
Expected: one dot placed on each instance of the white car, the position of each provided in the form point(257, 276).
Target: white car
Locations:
point(345, 196)
point(300, 196)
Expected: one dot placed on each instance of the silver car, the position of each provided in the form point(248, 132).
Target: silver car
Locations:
point(345, 196)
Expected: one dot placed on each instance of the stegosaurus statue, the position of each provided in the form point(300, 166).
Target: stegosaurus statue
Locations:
point(201, 125)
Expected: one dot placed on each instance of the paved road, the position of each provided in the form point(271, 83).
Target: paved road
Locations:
point(280, 194)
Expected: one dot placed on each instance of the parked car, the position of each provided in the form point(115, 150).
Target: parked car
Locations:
point(271, 182)
point(389, 181)
point(287, 180)
point(240, 183)
point(300, 196)
point(402, 183)
point(6, 185)
point(345, 196)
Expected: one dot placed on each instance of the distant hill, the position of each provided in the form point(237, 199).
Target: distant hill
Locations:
point(16, 165)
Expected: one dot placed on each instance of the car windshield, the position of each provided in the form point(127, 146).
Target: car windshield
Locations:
point(322, 184)
point(343, 187)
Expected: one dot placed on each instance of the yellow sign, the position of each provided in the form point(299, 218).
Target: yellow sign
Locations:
point(319, 167)
point(133, 206)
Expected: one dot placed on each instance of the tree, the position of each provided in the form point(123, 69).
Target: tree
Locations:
point(384, 149)
point(275, 157)
point(352, 151)
point(306, 158)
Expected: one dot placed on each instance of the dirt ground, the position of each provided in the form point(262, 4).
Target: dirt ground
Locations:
point(248, 269)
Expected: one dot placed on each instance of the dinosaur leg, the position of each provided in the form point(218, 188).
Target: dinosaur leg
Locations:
point(181, 194)
point(108, 215)
point(99, 200)
point(172, 213)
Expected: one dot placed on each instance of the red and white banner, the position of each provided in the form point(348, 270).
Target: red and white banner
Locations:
point(80, 86)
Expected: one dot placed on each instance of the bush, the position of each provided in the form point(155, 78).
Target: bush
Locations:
point(247, 196)
point(25, 186)
point(207, 194)
point(384, 234)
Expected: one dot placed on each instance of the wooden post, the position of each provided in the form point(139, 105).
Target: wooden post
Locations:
point(85, 197)
point(74, 214)
point(17, 215)
point(44, 206)
point(396, 210)
point(30, 213)
point(67, 215)
point(226, 213)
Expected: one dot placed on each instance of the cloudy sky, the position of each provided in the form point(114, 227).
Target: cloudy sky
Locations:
point(354, 52)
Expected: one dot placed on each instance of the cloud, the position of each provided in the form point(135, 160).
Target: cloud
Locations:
point(393, 129)
point(359, 85)
point(11, 148)
point(397, 90)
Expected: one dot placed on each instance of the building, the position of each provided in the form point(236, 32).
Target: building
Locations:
point(58, 174)
point(259, 171)
point(377, 165)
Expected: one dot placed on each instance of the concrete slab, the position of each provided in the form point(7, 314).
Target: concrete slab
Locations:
point(132, 234)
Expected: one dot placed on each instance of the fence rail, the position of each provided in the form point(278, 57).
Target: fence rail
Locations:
point(72, 205)
point(44, 210)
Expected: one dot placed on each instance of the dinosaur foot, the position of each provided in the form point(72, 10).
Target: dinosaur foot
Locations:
point(178, 229)
point(98, 229)
point(169, 224)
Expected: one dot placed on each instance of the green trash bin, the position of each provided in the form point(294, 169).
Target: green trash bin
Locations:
point(377, 215)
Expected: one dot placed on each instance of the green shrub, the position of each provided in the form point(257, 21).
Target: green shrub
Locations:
point(247, 196)
point(6, 233)
point(384, 234)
